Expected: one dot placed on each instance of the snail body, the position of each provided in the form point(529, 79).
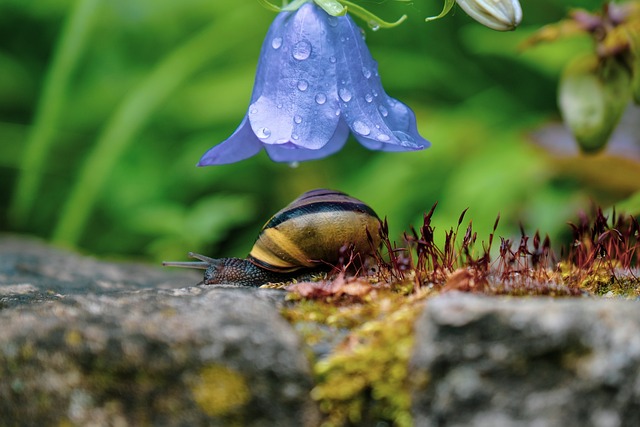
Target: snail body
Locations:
point(305, 236)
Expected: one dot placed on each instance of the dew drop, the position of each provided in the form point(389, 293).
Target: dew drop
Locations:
point(333, 21)
point(383, 137)
point(263, 133)
point(368, 97)
point(321, 98)
point(297, 119)
point(374, 25)
point(332, 59)
point(361, 128)
point(337, 112)
point(366, 72)
point(383, 110)
point(253, 111)
point(276, 42)
point(301, 50)
point(303, 85)
point(344, 94)
point(375, 93)
point(279, 105)
point(405, 139)
point(295, 136)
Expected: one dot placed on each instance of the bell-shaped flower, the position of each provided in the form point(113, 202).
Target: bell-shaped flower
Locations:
point(501, 15)
point(316, 82)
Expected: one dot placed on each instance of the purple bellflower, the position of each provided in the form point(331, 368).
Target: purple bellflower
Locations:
point(316, 81)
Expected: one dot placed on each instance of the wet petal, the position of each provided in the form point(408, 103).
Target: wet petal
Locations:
point(293, 153)
point(378, 121)
point(241, 145)
point(294, 101)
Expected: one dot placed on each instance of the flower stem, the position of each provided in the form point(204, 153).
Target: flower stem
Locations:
point(372, 20)
point(136, 110)
point(68, 50)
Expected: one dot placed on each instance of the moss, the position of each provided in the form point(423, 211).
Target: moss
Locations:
point(220, 391)
point(73, 338)
point(607, 284)
point(364, 378)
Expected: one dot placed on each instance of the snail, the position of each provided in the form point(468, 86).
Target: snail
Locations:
point(304, 237)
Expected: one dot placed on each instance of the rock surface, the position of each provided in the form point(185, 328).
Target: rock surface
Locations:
point(482, 361)
point(85, 342)
point(89, 342)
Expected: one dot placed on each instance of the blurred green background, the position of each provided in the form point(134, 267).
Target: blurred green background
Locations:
point(106, 107)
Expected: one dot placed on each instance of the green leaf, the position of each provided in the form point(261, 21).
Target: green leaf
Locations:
point(332, 7)
point(448, 4)
point(373, 21)
point(294, 5)
point(269, 6)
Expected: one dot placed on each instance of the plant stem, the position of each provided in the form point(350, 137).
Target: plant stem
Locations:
point(68, 50)
point(136, 110)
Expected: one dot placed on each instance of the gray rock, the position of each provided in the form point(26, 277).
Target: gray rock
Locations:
point(85, 342)
point(496, 362)
point(32, 271)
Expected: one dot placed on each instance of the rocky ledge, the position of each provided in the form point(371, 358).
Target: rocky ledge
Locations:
point(88, 342)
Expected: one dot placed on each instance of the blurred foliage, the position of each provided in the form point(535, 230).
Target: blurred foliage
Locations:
point(120, 99)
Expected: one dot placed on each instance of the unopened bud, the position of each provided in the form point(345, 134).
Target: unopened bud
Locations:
point(501, 15)
point(592, 97)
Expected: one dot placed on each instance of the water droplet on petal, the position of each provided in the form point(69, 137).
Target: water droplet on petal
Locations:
point(301, 50)
point(383, 137)
point(332, 59)
point(344, 94)
point(294, 136)
point(303, 85)
point(321, 98)
point(361, 128)
point(279, 105)
point(333, 21)
point(375, 93)
point(276, 42)
point(366, 72)
point(368, 97)
point(337, 112)
point(263, 133)
point(297, 119)
point(253, 111)
point(383, 110)
point(374, 25)
point(405, 139)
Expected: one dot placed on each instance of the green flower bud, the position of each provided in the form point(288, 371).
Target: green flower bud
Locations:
point(501, 15)
point(592, 96)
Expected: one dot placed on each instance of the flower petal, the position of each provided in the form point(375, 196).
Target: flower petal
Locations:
point(378, 121)
point(241, 145)
point(294, 100)
point(293, 153)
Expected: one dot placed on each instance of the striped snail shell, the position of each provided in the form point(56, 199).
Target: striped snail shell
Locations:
point(306, 235)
